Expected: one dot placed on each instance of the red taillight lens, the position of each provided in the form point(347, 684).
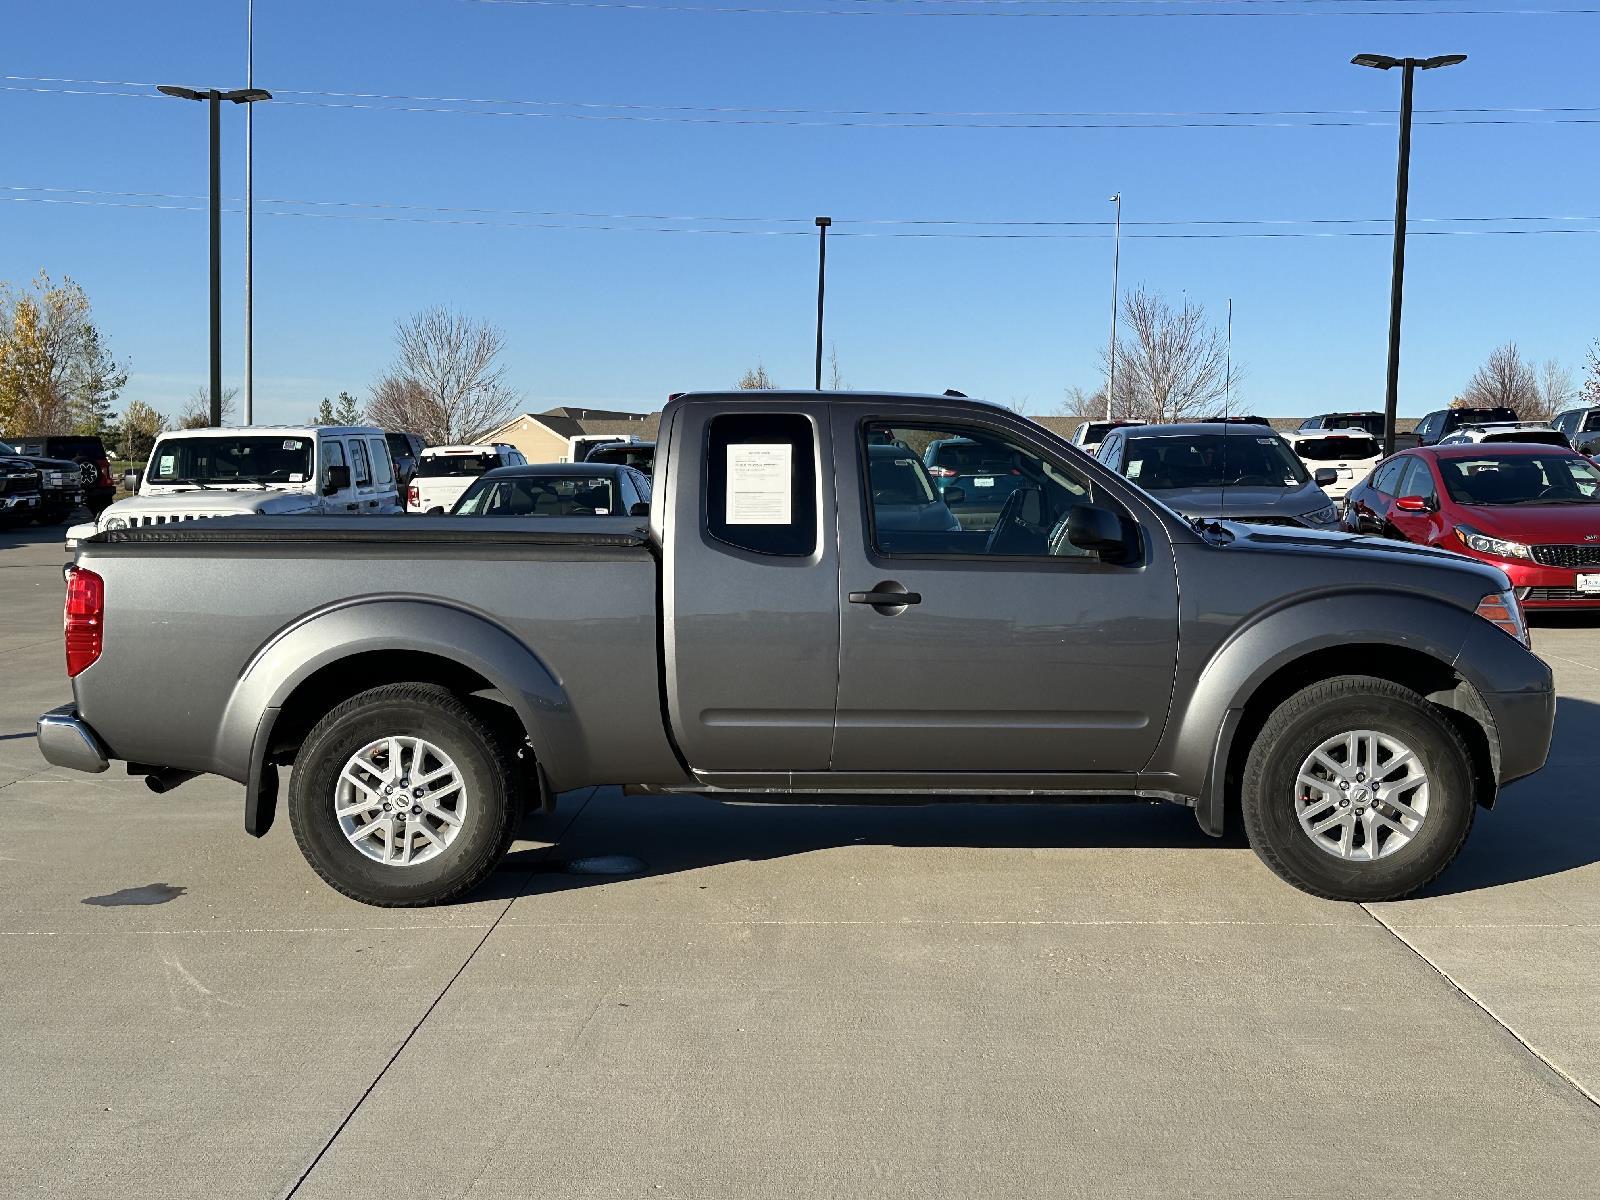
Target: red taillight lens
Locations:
point(105, 473)
point(943, 472)
point(83, 622)
point(413, 496)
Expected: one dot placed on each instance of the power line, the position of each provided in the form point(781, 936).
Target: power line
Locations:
point(570, 227)
point(745, 9)
point(839, 112)
point(280, 102)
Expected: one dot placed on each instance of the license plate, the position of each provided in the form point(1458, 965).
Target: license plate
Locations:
point(1344, 472)
point(1589, 583)
point(983, 481)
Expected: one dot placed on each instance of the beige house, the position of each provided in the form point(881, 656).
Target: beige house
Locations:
point(547, 437)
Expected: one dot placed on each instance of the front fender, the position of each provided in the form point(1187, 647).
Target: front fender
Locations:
point(1197, 750)
point(367, 624)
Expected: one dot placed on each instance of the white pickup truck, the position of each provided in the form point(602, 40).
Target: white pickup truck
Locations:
point(259, 470)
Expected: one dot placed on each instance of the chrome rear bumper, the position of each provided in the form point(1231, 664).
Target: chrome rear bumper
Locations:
point(65, 741)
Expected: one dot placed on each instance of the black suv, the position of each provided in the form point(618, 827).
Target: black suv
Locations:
point(94, 465)
point(60, 484)
point(1441, 424)
point(641, 456)
point(404, 450)
point(1582, 427)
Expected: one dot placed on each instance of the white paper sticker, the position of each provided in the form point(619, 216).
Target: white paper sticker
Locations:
point(165, 465)
point(602, 512)
point(291, 444)
point(296, 477)
point(760, 478)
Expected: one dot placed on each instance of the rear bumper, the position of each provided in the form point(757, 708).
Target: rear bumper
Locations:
point(67, 741)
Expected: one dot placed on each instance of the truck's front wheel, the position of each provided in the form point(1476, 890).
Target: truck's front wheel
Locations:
point(402, 797)
point(1358, 789)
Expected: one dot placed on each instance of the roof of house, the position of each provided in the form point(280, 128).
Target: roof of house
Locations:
point(568, 422)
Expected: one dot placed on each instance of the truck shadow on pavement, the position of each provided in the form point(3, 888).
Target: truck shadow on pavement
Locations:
point(1541, 826)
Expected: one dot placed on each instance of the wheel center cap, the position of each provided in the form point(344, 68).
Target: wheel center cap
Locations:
point(1359, 793)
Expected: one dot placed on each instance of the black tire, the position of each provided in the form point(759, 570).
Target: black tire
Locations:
point(1322, 711)
point(413, 710)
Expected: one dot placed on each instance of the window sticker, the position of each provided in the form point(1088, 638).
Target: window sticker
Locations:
point(760, 480)
point(1136, 466)
point(1267, 441)
point(291, 443)
point(297, 477)
point(165, 466)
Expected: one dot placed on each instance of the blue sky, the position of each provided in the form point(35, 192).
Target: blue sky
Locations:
point(623, 318)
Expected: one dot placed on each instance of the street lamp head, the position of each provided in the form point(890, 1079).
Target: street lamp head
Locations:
point(1442, 60)
point(247, 95)
point(1380, 61)
point(824, 222)
point(179, 93)
point(1116, 199)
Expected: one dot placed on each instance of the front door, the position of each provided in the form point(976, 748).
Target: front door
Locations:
point(1015, 651)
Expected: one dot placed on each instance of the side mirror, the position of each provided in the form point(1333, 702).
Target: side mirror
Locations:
point(1090, 527)
point(954, 495)
point(639, 509)
point(1413, 504)
point(337, 480)
point(1325, 476)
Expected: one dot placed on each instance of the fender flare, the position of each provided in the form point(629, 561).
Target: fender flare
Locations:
point(368, 624)
point(1204, 731)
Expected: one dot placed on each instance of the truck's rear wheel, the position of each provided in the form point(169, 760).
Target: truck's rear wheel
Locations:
point(401, 796)
point(1358, 789)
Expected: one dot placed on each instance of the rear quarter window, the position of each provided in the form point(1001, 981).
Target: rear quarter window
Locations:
point(760, 483)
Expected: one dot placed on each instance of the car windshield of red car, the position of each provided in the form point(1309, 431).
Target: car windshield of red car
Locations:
point(1521, 479)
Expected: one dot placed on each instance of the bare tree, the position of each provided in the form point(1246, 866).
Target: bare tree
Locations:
point(196, 412)
point(1075, 402)
point(1591, 381)
point(1506, 380)
point(756, 380)
point(446, 383)
point(1171, 364)
point(1556, 389)
point(836, 381)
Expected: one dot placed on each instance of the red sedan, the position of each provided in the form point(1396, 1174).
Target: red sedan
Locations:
point(1533, 511)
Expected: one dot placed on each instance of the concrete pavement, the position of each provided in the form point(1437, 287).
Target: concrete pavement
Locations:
point(944, 1001)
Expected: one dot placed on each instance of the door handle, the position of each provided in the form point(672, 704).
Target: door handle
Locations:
point(351, 507)
point(886, 595)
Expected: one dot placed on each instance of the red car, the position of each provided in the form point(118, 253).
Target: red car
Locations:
point(1533, 511)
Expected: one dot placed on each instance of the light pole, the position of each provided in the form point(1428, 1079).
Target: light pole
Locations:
point(1383, 62)
point(822, 275)
point(249, 216)
point(214, 98)
point(1111, 352)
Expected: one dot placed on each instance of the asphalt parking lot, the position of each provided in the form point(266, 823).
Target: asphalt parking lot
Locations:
point(943, 1001)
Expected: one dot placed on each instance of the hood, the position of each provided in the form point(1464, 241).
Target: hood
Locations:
point(46, 464)
point(213, 503)
point(1536, 524)
point(1356, 548)
point(1237, 503)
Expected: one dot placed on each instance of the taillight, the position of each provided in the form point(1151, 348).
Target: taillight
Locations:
point(943, 472)
point(105, 473)
point(1501, 609)
point(83, 622)
point(413, 496)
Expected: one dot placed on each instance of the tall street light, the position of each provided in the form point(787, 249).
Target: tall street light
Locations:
point(1111, 352)
point(1383, 62)
point(215, 97)
point(249, 216)
point(822, 274)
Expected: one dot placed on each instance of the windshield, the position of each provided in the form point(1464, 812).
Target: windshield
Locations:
point(899, 479)
point(541, 496)
point(8, 448)
point(965, 457)
point(1332, 449)
point(1367, 422)
point(1545, 437)
point(1521, 479)
point(1207, 460)
point(440, 465)
point(247, 458)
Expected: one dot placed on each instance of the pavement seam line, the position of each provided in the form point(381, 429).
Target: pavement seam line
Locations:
point(1450, 979)
point(428, 1012)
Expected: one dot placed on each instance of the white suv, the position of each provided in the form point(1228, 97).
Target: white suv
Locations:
point(1537, 432)
point(444, 473)
point(1351, 453)
point(261, 470)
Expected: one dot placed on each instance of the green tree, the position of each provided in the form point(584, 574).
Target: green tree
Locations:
point(347, 410)
point(140, 426)
point(324, 413)
point(56, 374)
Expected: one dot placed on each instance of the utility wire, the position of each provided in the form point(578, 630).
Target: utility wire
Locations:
point(1007, 236)
point(806, 221)
point(278, 101)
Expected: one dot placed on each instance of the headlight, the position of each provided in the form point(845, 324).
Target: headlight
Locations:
point(114, 523)
point(1482, 543)
point(1325, 515)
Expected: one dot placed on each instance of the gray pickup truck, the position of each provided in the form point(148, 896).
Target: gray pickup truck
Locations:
point(805, 616)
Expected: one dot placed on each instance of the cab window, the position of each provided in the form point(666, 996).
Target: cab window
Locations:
point(1417, 481)
point(954, 490)
point(332, 456)
point(761, 483)
point(382, 467)
point(361, 469)
point(1388, 476)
